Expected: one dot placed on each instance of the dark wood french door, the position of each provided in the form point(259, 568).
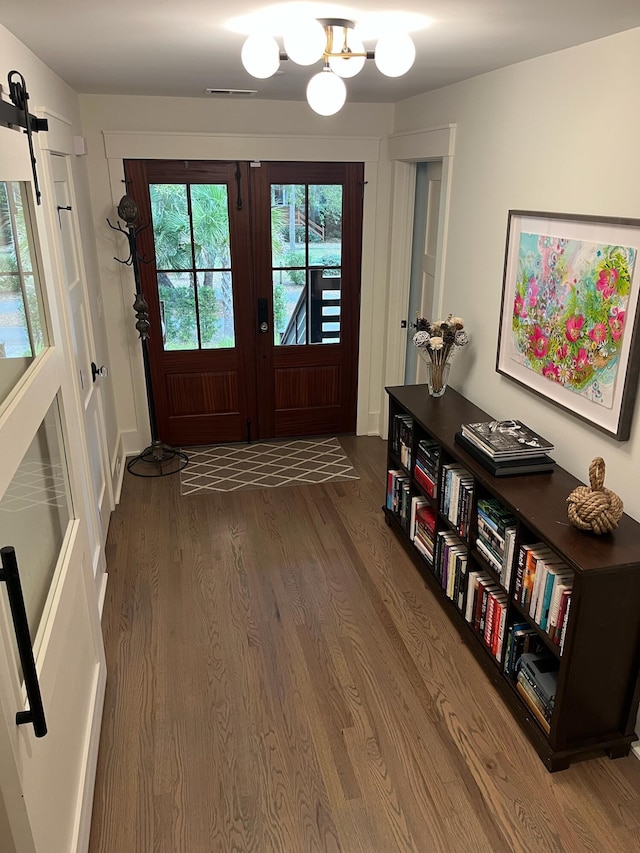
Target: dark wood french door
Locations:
point(253, 285)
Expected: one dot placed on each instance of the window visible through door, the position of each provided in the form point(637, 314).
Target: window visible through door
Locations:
point(306, 260)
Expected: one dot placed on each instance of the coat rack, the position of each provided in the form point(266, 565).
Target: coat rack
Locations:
point(158, 459)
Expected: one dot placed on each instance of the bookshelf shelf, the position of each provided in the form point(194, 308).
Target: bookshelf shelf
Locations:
point(595, 618)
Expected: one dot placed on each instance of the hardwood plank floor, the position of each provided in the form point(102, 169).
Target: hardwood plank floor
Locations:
point(280, 680)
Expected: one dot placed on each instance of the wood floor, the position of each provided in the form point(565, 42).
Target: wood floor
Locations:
point(280, 680)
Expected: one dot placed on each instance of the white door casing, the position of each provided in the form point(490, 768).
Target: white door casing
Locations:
point(430, 256)
point(46, 784)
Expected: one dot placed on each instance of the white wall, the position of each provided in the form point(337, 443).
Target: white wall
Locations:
point(558, 133)
point(158, 127)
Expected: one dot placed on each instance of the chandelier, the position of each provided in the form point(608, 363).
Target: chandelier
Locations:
point(335, 42)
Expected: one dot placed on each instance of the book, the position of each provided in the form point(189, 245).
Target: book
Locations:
point(536, 464)
point(506, 439)
point(542, 670)
point(529, 697)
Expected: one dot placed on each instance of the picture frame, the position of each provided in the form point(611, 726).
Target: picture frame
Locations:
point(569, 314)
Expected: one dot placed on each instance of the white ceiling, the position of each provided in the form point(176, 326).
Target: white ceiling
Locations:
point(182, 47)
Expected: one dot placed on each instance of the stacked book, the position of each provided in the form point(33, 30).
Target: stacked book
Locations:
point(536, 683)
point(506, 448)
point(496, 538)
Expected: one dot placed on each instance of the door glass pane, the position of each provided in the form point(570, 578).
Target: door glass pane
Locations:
point(35, 511)
point(289, 306)
point(178, 310)
point(215, 309)
point(210, 212)
point(193, 259)
point(171, 226)
point(22, 328)
point(306, 252)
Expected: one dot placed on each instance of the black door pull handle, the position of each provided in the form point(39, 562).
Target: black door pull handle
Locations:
point(10, 575)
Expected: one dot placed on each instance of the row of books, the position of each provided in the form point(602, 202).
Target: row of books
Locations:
point(450, 566)
point(521, 638)
point(422, 527)
point(402, 438)
point(543, 588)
point(426, 468)
point(496, 537)
point(399, 496)
point(486, 610)
point(456, 496)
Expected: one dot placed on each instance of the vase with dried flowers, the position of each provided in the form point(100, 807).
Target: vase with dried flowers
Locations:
point(437, 341)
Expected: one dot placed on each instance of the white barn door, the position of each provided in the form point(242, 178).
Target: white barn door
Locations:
point(46, 783)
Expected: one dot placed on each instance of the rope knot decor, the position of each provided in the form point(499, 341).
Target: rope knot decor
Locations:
point(596, 508)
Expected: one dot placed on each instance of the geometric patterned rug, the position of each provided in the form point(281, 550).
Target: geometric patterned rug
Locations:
point(264, 465)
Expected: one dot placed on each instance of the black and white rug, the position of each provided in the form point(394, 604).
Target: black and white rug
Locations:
point(264, 465)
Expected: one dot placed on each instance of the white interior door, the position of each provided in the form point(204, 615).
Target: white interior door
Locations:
point(72, 270)
point(46, 783)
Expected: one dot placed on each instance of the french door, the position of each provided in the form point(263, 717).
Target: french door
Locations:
point(252, 276)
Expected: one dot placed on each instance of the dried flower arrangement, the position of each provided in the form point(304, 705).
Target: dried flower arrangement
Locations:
point(437, 340)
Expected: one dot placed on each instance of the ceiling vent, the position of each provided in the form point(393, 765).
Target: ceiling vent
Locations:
point(231, 92)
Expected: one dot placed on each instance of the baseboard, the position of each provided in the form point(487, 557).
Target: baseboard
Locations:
point(117, 467)
point(102, 592)
point(84, 806)
point(635, 749)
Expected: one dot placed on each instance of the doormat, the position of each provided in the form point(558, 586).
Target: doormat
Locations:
point(264, 465)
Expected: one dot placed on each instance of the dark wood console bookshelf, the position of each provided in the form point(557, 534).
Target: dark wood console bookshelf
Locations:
point(598, 688)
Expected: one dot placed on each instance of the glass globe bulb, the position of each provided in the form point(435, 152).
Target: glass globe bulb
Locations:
point(305, 42)
point(394, 54)
point(351, 66)
point(326, 93)
point(261, 56)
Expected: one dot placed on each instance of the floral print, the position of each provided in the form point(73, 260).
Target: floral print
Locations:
point(569, 311)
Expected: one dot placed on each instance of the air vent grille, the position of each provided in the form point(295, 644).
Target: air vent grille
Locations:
point(231, 91)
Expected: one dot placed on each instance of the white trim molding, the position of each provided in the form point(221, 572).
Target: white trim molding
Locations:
point(417, 145)
point(122, 145)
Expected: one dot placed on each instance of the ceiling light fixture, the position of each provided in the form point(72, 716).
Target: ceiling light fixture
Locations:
point(334, 41)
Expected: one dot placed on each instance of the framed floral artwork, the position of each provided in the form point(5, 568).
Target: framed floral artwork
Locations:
point(569, 315)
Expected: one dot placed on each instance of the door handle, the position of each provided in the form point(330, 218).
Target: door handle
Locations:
point(10, 575)
point(99, 372)
point(263, 315)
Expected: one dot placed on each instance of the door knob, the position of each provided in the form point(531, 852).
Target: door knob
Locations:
point(101, 372)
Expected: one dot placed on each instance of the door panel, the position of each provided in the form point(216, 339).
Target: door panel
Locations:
point(249, 271)
point(308, 381)
point(197, 283)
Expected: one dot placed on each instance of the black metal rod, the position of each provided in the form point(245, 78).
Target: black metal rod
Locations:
point(10, 575)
